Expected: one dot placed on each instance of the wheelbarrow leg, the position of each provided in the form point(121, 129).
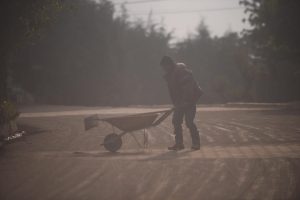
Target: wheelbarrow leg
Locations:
point(146, 139)
point(145, 143)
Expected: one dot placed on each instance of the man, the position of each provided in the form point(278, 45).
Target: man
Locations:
point(184, 92)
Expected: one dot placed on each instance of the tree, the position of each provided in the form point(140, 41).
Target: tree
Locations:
point(274, 36)
point(275, 31)
point(21, 20)
point(91, 57)
point(220, 64)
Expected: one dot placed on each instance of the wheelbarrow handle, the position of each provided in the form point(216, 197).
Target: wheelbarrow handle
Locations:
point(163, 117)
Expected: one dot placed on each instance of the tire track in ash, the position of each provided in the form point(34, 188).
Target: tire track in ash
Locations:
point(206, 152)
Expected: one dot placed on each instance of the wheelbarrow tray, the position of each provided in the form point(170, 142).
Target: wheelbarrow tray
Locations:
point(130, 123)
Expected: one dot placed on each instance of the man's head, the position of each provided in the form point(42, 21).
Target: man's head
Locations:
point(167, 64)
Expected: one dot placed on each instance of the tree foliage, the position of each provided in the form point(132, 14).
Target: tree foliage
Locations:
point(91, 56)
point(220, 64)
point(20, 20)
point(275, 40)
point(275, 27)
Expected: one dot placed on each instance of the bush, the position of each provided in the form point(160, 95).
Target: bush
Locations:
point(8, 112)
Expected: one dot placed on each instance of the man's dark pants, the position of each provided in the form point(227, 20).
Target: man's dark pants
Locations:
point(188, 113)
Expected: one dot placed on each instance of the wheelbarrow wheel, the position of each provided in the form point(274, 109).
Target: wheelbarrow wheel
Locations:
point(112, 142)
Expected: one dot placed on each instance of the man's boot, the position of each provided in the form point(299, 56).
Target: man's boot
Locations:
point(178, 139)
point(195, 141)
point(195, 147)
point(176, 147)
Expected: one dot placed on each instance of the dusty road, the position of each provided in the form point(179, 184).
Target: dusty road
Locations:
point(245, 154)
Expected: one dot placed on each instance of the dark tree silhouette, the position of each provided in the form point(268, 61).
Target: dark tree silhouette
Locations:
point(91, 56)
point(20, 20)
point(274, 36)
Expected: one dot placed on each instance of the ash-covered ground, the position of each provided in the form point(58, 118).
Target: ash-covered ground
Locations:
point(246, 153)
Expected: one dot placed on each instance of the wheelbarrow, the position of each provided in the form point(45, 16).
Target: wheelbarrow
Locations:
point(127, 124)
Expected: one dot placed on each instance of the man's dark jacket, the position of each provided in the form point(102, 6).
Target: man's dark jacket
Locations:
point(182, 86)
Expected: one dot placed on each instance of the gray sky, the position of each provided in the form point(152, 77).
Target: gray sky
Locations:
point(183, 16)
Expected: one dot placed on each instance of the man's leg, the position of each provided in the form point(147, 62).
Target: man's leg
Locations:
point(190, 113)
point(177, 123)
